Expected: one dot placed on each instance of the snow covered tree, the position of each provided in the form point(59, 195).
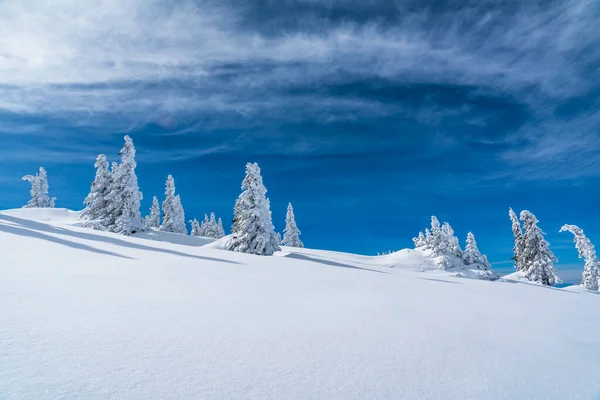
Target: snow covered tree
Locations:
point(518, 241)
point(538, 260)
point(39, 191)
point(96, 206)
point(435, 242)
point(173, 213)
point(212, 227)
point(253, 230)
point(591, 270)
point(204, 226)
point(291, 233)
point(420, 240)
point(485, 263)
point(195, 227)
point(220, 230)
point(124, 197)
point(471, 254)
point(153, 219)
point(450, 245)
point(178, 217)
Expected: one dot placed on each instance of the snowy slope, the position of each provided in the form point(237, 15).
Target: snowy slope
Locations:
point(87, 314)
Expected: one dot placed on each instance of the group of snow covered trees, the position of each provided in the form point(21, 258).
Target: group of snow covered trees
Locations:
point(39, 191)
point(444, 245)
point(532, 254)
point(210, 227)
point(113, 204)
point(534, 259)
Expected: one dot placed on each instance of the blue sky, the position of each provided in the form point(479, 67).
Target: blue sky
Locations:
point(368, 116)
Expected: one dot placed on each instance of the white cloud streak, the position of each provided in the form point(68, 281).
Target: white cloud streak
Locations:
point(140, 58)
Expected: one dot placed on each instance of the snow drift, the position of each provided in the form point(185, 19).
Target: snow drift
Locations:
point(90, 314)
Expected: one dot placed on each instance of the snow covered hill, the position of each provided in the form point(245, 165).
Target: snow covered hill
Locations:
point(87, 314)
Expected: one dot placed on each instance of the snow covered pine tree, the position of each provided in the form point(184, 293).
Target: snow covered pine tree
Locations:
point(471, 254)
point(518, 241)
point(252, 230)
point(591, 270)
point(173, 214)
point(291, 233)
point(538, 260)
point(96, 207)
point(124, 196)
point(195, 227)
point(220, 230)
point(39, 191)
point(153, 219)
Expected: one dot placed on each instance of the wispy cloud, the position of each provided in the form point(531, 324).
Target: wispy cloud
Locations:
point(245, 65)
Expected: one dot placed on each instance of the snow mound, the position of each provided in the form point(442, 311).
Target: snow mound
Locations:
point(90, 314)
point(52, 215)
point(175, 238)
point(422, 260)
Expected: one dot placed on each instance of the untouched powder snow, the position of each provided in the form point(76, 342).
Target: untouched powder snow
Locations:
point(88, 314)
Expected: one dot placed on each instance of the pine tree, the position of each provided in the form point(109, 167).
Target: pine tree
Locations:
point(471, 254)
point(436, 243)
point(450, 245)
point(591, 270)
point(173, 214)
point(253, 230)
point(220, 230)
point(39, 191)
point(195, 227)
point(179, 217)
point(96, 206)
point(518, 241)
point(420, 240)
point(291, 233)
point(124, 196)
point(538, 259)
point(211, 227)
point(153, 219)
point(204, 228)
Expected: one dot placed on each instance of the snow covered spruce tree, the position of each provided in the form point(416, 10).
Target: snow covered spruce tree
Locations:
point(153, 219)
point(211, 227)
point(179, 217)
point(450, 244)
point(471, 254)
point(96, 207)
point(420, 240)
point(220, 230)
point(538, 260)
point(173, 214)
point(204, 228)
point(195, 227)
point(39, 191)
point(124, 195)
point(252, 230)
point(291, 233)
point(518, 241)
point(435, 237)
point(591, 270)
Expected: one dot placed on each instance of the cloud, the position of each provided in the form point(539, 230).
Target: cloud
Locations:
point(196, 67)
